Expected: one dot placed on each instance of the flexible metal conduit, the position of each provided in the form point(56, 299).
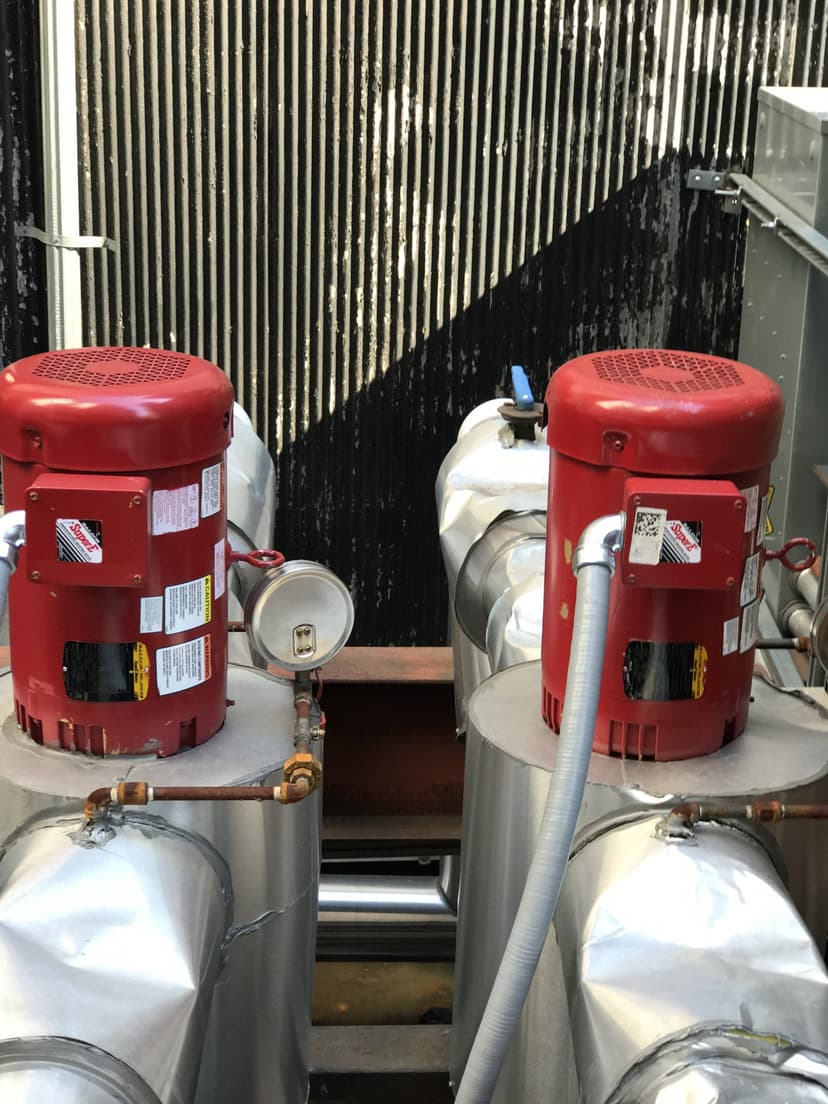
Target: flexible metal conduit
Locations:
point(593, 564)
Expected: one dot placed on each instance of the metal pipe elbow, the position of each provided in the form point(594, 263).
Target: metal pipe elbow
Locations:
point(12, 536)
point(600, 542)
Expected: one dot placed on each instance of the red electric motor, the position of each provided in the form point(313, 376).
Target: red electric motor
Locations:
point(117, 611)
point(682, 444)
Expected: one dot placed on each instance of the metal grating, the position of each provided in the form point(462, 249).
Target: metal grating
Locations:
point(667, 370)
point(112, 366)
point(364, 210)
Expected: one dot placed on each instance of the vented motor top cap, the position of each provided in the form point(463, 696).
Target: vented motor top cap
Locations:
point(664, 412)
point(114, 409)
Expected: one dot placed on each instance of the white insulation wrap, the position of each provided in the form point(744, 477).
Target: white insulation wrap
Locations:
point(690, 974)
point(110, 942)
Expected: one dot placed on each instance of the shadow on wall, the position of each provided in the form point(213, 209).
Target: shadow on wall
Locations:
point(656, 265)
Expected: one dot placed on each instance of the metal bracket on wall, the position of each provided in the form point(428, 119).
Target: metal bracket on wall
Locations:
point(66, 241)
point(709, 180)
point(782, 221)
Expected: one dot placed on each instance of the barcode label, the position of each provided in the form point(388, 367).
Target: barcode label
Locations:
point(647, 535)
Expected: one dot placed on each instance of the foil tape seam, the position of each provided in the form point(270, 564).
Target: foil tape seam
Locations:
point(235, 933)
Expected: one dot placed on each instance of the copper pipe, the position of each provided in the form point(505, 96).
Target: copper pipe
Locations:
point(762, 811)
point(140, 793)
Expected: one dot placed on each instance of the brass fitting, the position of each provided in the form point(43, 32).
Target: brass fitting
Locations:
point(305, 766)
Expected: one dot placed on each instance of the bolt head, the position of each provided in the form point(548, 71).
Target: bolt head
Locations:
point(137, 500)
point(35, 575)
point(630, 579)
point(738, 503)
point(32, 496)
point(730, 581)
point(137, 579)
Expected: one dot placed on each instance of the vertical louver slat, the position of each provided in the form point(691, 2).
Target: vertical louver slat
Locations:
point(363, 211)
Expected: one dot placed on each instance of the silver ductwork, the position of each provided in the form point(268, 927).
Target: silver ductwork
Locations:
point(110, 944)
point(688, 969)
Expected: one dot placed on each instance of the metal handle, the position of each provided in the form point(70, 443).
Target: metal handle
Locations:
point(795, 565)
point(262, 557)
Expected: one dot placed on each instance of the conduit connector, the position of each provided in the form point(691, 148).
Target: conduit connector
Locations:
point(600, 542)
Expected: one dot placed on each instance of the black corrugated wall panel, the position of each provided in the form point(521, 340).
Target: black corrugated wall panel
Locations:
point(363, 211)
point(23, 322)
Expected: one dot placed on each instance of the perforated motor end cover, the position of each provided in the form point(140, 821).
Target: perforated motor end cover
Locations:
point(664, 412)
point(114, 409)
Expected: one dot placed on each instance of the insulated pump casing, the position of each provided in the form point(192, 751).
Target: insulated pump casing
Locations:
point(678, 660)
point(118, 610)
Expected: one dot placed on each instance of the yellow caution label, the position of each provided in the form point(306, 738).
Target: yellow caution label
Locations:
point(768, 522)
point(699, 671)
point(140, 670)
point(208, 599)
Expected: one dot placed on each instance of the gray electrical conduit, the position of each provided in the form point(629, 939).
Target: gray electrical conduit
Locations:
point(593, 564)
point(12, 539)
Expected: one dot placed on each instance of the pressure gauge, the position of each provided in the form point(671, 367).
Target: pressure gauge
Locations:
point(299, 616)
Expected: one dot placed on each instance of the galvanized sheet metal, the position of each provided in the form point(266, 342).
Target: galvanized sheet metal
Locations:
point(364, 210)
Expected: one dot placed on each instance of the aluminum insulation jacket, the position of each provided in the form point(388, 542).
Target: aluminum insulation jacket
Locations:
point(110, 942)
point(689, 971)
point(557, 830)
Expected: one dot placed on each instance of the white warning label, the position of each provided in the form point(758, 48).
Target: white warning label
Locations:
point(176, 510)
point(182, 666)
point(750, 621)
point(211, 490)
point(750, 579)
point(647, 535)
point(752, 508)
point(152, 614)
point(187, 605)
point(219, 569)
point(78, 541)
point(730, 636)
point(761, 531)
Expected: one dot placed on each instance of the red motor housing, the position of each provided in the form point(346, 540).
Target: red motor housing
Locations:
point(683, 443)
point(117, 610)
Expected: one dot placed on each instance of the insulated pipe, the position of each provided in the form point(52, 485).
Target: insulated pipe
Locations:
point(371, 894)
point(807, 583)
point(593, 564)
point(12, 539)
